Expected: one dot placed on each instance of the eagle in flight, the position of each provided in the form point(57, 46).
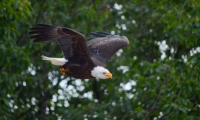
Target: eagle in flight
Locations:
point(84, 60)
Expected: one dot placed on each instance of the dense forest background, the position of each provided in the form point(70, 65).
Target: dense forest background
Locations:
point(155, 78)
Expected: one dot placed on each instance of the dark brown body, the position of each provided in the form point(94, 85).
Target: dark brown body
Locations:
point(78, 71)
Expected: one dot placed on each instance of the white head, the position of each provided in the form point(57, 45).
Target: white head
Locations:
point(101, 73)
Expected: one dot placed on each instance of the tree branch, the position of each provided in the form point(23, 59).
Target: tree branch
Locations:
point(126, 115)
point(157, 98)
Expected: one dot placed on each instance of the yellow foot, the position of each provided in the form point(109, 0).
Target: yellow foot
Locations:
point(63, 70)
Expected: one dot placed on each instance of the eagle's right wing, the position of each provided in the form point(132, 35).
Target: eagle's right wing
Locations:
point(72, 43)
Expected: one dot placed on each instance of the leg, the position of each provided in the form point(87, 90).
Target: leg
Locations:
point(63, 70)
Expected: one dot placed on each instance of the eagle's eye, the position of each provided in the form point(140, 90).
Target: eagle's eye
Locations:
point(104, 72)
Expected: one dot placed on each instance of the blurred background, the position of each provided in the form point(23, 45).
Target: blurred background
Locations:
point(155, 78)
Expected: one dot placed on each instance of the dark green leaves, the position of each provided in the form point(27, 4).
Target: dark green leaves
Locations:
point(161, 82)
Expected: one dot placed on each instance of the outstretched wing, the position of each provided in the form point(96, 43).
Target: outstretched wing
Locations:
point(72, 43)
point(105, 45)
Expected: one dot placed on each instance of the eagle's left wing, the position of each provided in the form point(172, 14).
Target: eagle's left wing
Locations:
point(105, 45)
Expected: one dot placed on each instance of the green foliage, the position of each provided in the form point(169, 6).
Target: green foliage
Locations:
point(155, 77)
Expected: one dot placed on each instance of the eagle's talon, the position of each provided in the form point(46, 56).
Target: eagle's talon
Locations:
point(63, 73)
point(63, 70)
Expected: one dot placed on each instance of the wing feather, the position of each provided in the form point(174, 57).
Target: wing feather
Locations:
point(102, 48)
point(72, 43)
point(100, 34)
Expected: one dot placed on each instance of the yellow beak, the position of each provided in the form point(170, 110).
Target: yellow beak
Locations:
point(108, 75)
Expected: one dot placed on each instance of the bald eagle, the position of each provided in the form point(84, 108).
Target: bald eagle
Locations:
point(84, 60)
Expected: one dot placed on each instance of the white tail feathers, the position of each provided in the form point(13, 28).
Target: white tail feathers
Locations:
point(55, 61)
